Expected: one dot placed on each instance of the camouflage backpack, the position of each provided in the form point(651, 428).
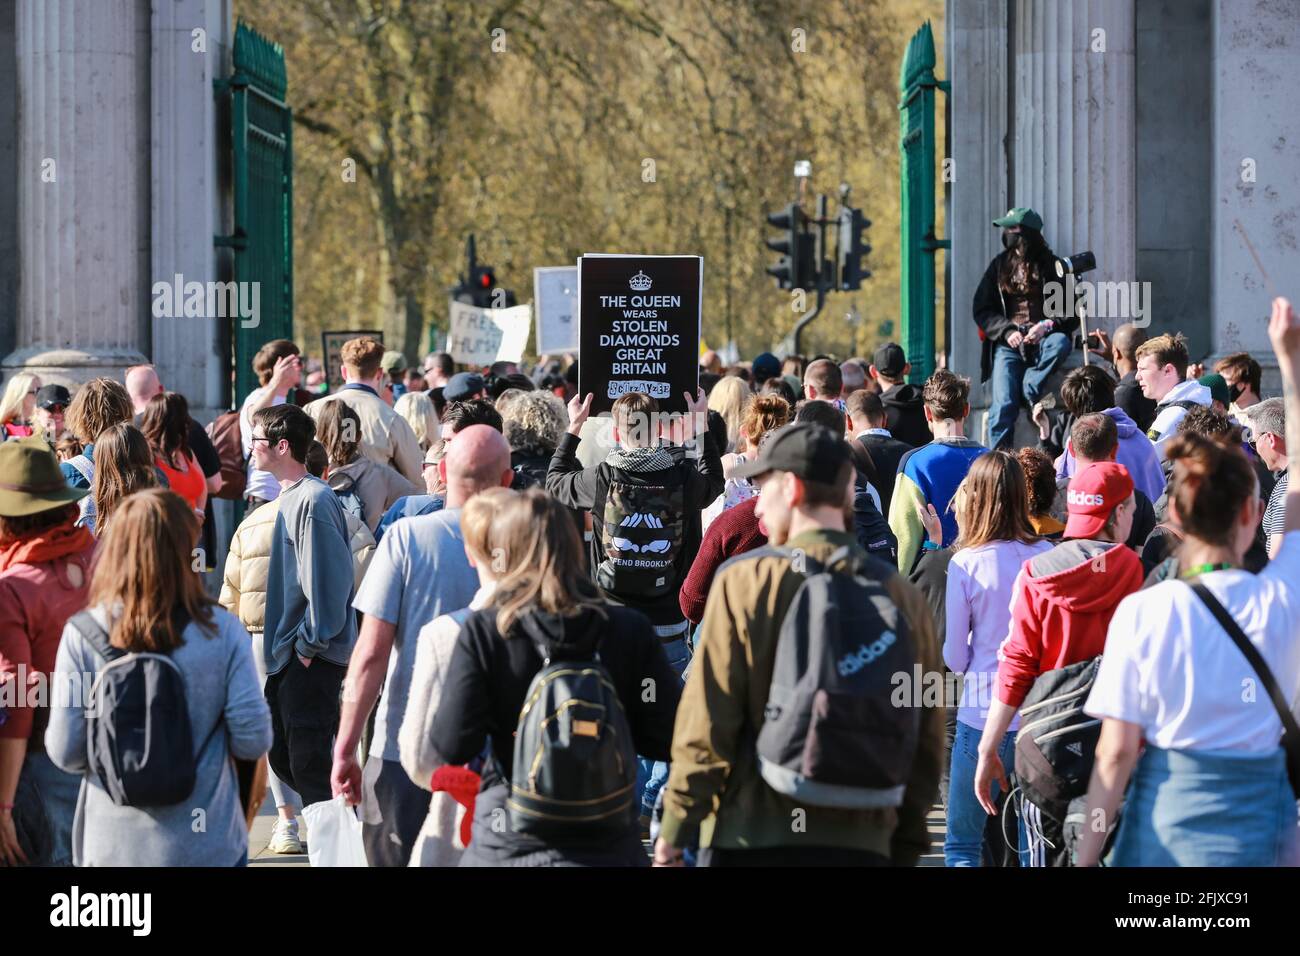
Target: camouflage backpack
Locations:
point(642, 533)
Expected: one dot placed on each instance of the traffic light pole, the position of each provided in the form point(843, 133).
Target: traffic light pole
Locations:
point(823, 280)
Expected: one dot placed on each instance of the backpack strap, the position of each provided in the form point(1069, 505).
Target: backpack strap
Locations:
point(96, 636)
point(1291, 740)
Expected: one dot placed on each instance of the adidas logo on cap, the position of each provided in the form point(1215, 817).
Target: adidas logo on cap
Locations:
point(1084, 499)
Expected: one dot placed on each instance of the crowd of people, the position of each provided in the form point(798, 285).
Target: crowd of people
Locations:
point(512, 633)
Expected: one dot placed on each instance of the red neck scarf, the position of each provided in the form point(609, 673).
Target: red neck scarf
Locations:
point(52, 543)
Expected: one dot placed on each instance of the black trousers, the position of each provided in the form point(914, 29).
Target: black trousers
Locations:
point(791, 856)
point(304, 704)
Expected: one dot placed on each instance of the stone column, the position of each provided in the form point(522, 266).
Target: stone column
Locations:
point(976, 63)
point(83, 187)
point(1256, 170)
point(189, 195)
point(1075, 138)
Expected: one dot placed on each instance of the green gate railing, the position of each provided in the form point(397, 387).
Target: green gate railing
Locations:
point(916, 85)
point(262, 138)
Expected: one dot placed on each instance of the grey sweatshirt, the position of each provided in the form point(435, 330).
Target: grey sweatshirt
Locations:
point(228, 715)
point(309, 579)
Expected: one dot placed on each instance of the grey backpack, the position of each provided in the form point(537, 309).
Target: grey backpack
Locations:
point(831, 735)
point(574, 761)
point(139, 743)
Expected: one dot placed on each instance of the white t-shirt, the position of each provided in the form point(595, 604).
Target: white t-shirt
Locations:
point(1170, 668)
point(261, 484)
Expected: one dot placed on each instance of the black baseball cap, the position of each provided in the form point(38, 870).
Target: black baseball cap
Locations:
point(810, 452)
point(890, 359)
point(765, 366)
point(51, 395)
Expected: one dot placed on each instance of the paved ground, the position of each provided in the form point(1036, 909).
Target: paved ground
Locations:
point(259, 855)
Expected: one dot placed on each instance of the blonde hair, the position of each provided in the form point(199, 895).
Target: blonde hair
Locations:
point(533, 422)
point(484, 540)
point(417, 408)
point(730, 398)
point(542, 561)
point(11, 406)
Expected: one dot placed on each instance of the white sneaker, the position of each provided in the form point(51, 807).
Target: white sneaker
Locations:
point(284, 837)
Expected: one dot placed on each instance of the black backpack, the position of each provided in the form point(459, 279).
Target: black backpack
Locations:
point(574, 760)
point(642, 533)
point(139, 743)
point(831, 735)
point(1057, 741)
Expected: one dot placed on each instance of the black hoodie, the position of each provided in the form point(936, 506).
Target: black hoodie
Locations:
point(486, 683)
point(905, 414)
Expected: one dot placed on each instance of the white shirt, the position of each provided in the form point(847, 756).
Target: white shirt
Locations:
point(261, 484)
point(1172, 670)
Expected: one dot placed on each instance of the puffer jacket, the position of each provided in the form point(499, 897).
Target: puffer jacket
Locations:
point(243, 585)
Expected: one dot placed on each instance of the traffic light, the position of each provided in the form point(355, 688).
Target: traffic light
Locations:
point(853, 246)
point(480, 287)
point(797, 267)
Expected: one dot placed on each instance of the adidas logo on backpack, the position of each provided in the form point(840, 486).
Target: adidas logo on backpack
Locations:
point(831, 736)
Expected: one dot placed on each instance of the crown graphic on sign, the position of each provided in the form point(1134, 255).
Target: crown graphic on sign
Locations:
point(639, 282)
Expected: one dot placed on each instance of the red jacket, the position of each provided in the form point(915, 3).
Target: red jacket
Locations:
point(733, 532)
point(36, 600)
point(1063, 604)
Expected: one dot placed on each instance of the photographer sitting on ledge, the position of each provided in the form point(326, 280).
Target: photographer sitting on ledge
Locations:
point(1022, 344)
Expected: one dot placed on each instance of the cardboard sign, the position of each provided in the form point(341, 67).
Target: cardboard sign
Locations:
point(331, 342)
point(555, 298)
point(483, 336)
point(639, 328)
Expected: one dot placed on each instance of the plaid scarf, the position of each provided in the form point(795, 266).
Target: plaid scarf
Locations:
point(640, 459)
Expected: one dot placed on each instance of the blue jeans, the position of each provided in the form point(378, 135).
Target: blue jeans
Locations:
point(962, 846)
point(1015, 380)
point(56, 793)
point(651, 775)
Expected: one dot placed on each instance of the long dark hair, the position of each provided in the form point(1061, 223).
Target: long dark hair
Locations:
point(166, 426)
point(1030, 263)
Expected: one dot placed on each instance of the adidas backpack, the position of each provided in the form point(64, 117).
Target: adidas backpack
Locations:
point(1056, 741)
point(642, 531)
point(138, 738)
point(574, 762)
point(831, 736)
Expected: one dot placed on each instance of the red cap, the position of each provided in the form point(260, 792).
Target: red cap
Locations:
point(1093, 494)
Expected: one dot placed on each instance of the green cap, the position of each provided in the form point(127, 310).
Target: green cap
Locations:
point(1021, 216)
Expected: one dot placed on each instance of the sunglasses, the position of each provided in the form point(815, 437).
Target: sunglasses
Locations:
point(53, 407)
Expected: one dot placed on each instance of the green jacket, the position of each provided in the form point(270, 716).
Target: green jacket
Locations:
point(715, 762)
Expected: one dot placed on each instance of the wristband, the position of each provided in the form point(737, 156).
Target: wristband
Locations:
point(928, 545)
point(6, 806)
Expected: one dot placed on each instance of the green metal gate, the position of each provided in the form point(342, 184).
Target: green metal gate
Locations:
point(916, 85)
point(262, 140)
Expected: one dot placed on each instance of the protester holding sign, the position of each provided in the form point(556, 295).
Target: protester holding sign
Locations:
point(645, 501)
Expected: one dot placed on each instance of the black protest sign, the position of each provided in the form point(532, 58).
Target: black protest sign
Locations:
point(639, 328)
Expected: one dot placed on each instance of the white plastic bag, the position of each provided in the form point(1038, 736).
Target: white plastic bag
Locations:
point(334, 834)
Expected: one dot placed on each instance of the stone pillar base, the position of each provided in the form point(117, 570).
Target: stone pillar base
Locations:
point(71, 367)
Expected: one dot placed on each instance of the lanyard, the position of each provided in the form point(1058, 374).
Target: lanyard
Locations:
point(1199, 569)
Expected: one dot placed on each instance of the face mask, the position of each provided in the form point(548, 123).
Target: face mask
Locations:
point(1236, 390)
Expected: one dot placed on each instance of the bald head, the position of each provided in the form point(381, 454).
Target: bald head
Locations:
point(1126, 340)
point(478, 458)
point(142, 384)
